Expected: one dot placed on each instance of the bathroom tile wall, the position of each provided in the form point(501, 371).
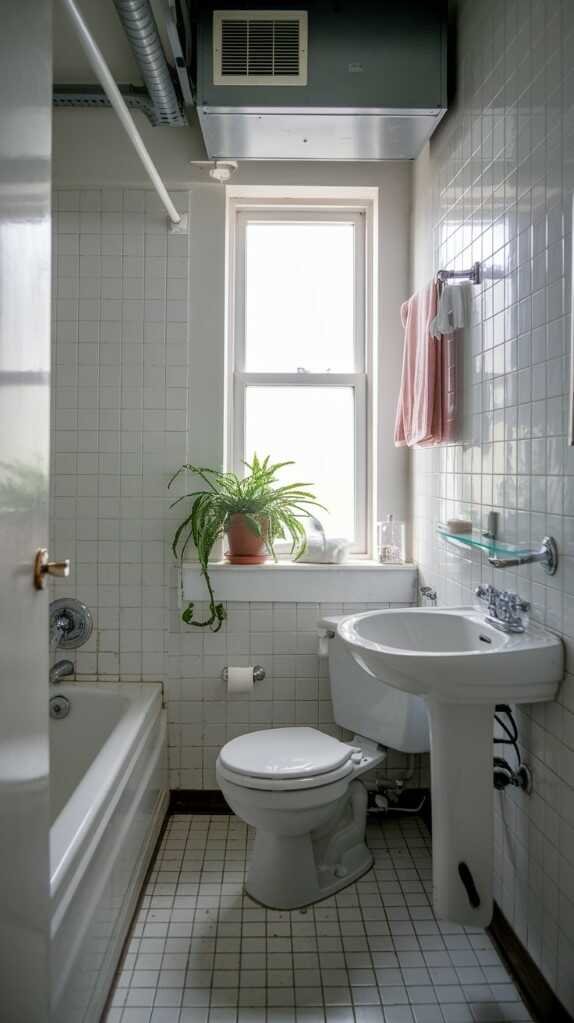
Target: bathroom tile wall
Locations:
point(121, 369)
point(497, 186)
point(280, 637)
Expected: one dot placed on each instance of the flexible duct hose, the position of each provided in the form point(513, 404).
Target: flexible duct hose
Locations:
point(138, 21)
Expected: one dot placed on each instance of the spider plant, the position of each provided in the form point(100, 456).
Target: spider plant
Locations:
point(272, 511)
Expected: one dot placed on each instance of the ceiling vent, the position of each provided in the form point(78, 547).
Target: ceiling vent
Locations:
point(260, 48)
point(371, 76)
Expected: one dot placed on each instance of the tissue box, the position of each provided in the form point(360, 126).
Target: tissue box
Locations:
point(325, 551)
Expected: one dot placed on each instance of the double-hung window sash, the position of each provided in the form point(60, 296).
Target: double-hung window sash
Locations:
point(298, 353)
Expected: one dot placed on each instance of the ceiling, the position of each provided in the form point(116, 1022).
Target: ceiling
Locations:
point(90, 144)
point(70, 64)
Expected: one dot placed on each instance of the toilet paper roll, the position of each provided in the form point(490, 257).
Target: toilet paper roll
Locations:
point(239, 680)
point(323, 642)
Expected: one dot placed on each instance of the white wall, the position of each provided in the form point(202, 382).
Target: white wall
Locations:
point(91, 150)
point(102, 157)
point(207, 295)
point(136, 310)
point(496, 185)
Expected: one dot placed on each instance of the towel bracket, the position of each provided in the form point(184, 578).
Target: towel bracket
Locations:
point(473, 275)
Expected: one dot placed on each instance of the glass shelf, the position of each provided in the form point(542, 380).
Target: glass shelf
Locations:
point(494, 548)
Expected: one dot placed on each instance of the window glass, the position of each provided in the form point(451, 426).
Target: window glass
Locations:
point(299, 297)
point(314, 427)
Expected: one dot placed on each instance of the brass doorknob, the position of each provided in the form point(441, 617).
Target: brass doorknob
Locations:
point(43, 567)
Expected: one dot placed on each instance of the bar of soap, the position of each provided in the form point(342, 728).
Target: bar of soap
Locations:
point(459, 526)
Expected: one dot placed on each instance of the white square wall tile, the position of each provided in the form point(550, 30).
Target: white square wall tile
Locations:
point(522, 305)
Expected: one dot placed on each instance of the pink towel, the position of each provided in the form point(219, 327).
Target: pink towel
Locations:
point(419, 419)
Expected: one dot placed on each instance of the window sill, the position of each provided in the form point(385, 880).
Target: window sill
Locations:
point(353, 582)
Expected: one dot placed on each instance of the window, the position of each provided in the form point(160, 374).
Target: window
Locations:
point(299, 351)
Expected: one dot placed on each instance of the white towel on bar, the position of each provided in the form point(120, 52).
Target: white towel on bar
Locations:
point(452, 309)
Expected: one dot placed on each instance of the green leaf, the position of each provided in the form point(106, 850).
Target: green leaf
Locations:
point(257, 495)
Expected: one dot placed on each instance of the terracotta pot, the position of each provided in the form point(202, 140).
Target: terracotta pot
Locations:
point(245, 547)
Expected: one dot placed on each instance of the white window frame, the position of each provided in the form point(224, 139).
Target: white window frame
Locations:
point(360, 212)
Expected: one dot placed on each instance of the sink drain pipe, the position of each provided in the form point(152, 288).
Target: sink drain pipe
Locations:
point(388, 791)
point(503, 774)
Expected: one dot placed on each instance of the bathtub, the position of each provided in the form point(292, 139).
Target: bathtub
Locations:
point(109, 796)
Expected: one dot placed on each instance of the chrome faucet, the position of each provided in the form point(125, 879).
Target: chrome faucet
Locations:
point(60, 670)
point(505, 609)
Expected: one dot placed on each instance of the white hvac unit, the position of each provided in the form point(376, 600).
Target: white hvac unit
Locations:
point(337, 81)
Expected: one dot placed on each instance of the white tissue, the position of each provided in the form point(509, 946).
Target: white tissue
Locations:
point(325, 551)
point(240, 680)
point(323, 645)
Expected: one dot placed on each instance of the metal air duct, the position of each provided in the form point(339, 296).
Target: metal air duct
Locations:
point(139, 24)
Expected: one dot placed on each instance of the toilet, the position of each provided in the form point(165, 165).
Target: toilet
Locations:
point(301, 790)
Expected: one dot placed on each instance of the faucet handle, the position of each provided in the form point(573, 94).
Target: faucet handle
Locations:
point(504, 605)
point(504, 608)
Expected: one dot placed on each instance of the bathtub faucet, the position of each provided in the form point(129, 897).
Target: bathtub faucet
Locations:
point(60, 670)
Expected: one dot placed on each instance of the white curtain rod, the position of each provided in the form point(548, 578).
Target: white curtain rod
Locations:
point(105, 77)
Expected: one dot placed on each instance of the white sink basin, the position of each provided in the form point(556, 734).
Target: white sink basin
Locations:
point(463, 667)
point(454, 654)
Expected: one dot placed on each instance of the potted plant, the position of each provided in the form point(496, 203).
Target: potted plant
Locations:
point(253, 511)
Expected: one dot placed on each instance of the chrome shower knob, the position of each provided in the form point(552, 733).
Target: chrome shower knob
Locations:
point(71, 623)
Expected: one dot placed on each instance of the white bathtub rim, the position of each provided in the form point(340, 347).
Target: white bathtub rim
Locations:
point(90, 799)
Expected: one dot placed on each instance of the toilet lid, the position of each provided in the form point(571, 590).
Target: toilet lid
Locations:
point(284, 753)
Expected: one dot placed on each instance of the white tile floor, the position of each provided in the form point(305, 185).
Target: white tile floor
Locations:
point(202, 952)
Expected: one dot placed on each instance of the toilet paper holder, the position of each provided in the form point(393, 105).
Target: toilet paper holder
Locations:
point(258, 673)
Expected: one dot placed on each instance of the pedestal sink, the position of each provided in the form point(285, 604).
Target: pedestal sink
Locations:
point(462, 666)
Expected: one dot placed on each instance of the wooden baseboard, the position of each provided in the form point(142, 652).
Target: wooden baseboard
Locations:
point(198, 801)
point(213, 801)
point(534, 988)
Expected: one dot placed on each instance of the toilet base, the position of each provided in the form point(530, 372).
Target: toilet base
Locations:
point(292, 871)
point(320, 893)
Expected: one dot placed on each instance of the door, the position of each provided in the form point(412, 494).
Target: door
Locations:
point(25, 157)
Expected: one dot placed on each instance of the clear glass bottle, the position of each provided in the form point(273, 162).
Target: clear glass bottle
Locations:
point(391, 541)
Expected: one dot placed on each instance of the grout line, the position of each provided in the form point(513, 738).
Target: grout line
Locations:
point(395, 894)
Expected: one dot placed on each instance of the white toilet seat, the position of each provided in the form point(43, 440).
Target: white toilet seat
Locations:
point(285, 784)
point(282, 759)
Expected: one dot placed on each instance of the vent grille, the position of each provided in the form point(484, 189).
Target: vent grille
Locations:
point(260, 47)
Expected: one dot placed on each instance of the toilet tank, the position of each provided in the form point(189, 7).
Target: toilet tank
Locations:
point(366, 706)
